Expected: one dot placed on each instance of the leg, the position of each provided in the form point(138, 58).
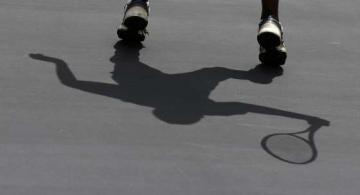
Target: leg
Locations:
point(270, 8)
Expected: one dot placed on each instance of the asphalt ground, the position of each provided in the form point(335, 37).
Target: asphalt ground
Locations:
point(188, 112)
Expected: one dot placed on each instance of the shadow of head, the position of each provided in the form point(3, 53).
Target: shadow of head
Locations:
point(179, 115)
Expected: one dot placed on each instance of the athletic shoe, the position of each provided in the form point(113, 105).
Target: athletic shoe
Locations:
point(270, 38)
point(135, 21)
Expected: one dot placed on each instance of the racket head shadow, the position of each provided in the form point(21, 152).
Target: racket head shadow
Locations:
point(290, 148)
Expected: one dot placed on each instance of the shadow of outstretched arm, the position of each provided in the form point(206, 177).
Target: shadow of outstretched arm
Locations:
point(67, 78)
point(291, 147)
point(234, 108)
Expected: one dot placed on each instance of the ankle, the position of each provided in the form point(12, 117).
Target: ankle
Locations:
point(265, 16)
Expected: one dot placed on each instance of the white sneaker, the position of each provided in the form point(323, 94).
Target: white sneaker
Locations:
point(270, 38)
point(135, 21)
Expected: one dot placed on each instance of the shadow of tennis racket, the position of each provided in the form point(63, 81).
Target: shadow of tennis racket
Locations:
point(294, 148)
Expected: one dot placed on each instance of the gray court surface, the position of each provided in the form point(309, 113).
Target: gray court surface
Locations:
point(189, 112)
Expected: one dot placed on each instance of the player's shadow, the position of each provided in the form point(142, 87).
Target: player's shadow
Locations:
point(175, 98)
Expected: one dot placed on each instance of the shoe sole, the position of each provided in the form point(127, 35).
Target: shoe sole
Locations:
point(130, 35)
point(135, 23)
point(268, 40)
point(273, 57)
